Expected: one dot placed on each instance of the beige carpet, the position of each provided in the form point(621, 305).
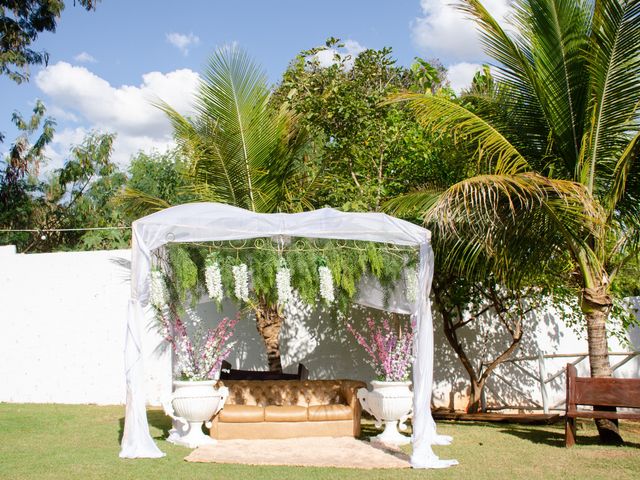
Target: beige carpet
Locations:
point(343, 452)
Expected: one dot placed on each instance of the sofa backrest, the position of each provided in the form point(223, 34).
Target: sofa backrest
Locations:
point(228, 373)
point(285, 392)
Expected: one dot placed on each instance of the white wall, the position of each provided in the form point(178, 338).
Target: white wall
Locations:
point(62, 324)
point(544, 332)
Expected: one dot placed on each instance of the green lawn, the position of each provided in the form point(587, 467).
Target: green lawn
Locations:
point(81, 442)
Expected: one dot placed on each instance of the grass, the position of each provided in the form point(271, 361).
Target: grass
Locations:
point(82, 442)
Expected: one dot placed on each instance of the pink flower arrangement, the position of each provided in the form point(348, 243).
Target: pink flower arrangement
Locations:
point(199, 358)
point(390, 353)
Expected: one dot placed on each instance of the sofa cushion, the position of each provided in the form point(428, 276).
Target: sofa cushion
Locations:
point(242, 414)
point(323, 413)
point(290, 413)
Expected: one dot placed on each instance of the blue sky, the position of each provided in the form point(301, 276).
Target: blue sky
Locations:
point(105, 66)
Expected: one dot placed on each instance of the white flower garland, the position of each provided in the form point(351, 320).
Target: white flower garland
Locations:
point(213, 279)
point(241, 281)
point(283, 283)
point(326, 284)
point(158, 293)
point(411, 278)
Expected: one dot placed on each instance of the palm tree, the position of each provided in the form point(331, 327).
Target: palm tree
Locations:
point(242, 152)
point(557, 151)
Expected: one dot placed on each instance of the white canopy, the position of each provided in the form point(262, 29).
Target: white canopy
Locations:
point(205, 222)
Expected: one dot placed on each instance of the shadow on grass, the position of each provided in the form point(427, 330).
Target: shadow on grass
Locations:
point(555, 438)
point(157, 419)
point(161, 421)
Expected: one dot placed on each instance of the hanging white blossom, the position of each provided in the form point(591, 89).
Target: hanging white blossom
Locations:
point(158, 293)
point(283, 283)
point(213, 280)
point(411, 278)
point(326, 284)
point(241, 281)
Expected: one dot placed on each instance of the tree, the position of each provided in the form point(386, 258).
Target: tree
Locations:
point(241, 151)
point(373, 152)
point(158, 175)
point(463, 303)
point(82, 194)
point(156, 181)
point(558, 148)
point(20, 23)
point(78, 195)
point(19, 181)
point(369, 152)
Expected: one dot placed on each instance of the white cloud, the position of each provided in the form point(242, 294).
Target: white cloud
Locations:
point(444, 32)
point(182, 42)
point(61, 114)
point(353, 47)
point(461, 74)
point(326, 58)
point(84, 57)
point(125, 110)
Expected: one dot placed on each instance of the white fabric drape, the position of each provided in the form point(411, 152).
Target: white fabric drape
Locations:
point(206, 222)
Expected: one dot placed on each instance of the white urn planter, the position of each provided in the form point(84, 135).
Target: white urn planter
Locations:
point(191, 404)
point(391, 404)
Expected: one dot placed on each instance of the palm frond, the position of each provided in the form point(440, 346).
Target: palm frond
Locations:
point(234, 94)
point(495, 217)
point(239, 150)
point(621, 184)
point(200, 142)
point(556, 34)
point(439, 114)
point(512, 59)
point(513, 68)
point(485, 199)
point(138, 204)
point(414, 203)
point(614, 71)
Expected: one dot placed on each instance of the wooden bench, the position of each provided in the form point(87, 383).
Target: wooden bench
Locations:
point(602, 392)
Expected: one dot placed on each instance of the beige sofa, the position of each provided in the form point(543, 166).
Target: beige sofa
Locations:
point(288, 408)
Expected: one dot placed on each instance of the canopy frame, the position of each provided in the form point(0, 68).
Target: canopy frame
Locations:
point(208, 222)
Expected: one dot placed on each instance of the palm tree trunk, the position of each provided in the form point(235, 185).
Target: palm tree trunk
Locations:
point(269, 322)
point(595, 305)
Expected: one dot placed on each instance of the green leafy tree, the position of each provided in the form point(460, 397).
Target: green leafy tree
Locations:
point(83, 194)
point(21, 21)
point(368, 152)
point(157, 174)
point(80, 194)
point(557, 146)
point(156, 180)
point(19, 181)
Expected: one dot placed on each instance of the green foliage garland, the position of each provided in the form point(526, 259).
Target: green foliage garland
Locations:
point(185, 271)
point(347, 260)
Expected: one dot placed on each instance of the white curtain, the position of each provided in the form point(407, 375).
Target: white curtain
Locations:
point(206, 222)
